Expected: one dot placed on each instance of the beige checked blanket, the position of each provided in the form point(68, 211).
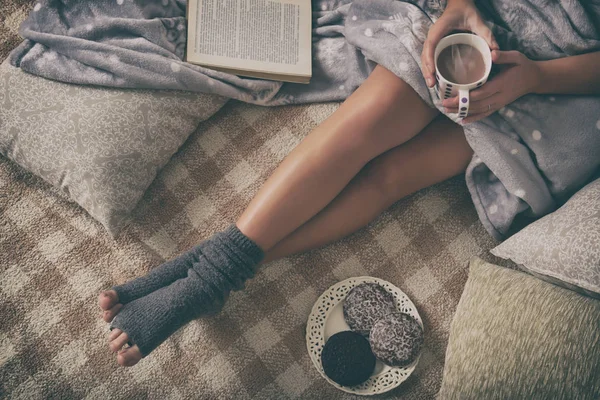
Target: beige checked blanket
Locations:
point(54, 259)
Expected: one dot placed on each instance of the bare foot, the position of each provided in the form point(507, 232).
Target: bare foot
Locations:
point(108, 300)
point(126, 356)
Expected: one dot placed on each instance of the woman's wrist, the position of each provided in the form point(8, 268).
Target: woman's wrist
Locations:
point(461, 4)
point(569, 75)
point(452, 3)
point(538, 86)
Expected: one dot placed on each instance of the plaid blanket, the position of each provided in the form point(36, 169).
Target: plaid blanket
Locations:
point(54, 259)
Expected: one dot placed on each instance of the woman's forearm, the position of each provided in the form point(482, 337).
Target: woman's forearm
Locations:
point(458, 2)
point(570, 75)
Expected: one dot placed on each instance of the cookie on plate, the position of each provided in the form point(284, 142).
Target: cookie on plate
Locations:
point(347, 358)
point(366, 304)
point(396, 339)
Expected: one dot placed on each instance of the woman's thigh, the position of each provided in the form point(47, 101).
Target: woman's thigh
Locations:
point(382, 113)
point(438, 152)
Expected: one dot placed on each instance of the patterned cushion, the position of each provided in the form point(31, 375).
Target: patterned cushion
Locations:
point(516, 337)
point(563, 247)
point(102, 147)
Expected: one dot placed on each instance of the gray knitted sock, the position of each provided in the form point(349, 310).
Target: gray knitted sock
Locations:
point(226, 261)
point(161, 276)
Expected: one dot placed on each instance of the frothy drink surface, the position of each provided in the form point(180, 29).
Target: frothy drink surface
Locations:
point(461, 63)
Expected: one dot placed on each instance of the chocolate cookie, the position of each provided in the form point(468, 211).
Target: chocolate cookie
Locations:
point(366, 304)
point(347, 358)
point(396, 339)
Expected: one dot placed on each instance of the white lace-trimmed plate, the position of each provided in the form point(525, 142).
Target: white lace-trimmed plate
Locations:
point(327, 319)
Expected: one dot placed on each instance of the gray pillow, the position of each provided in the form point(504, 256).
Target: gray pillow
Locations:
point(563, 247)
point(516, 337)
point(102, 147)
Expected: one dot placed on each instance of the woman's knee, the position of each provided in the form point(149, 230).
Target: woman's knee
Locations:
point(369, 127)
point(383, 113)
point(386, 177)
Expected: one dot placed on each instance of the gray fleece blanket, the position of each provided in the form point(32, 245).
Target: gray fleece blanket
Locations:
point(529, 157)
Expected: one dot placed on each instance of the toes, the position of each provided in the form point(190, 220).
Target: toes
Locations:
point(117, 343)
point(108, 315)
point(113, 334)
point(129, 357)
point(108, 299)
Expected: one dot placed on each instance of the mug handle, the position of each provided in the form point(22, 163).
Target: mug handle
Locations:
point(463, 103)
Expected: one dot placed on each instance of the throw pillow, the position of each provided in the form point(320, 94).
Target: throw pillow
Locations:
point(102, 147)
point(563, 247)
point(517, 337)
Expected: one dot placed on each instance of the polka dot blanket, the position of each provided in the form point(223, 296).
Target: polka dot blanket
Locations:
point(529, 157)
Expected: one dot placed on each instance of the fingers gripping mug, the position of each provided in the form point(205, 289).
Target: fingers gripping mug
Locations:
point(464, 76)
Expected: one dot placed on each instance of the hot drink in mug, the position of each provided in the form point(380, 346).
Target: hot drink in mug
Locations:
point(463, 62)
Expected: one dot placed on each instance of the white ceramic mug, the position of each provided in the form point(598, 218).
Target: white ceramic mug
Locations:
point(446, 88)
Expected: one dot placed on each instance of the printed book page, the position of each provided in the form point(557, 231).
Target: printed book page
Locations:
point(264, 36)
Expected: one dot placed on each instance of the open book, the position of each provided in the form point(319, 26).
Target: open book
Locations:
point(269, 39)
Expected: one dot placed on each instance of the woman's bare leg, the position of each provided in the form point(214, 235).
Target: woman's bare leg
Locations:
point(438, 153)
point(383, 113)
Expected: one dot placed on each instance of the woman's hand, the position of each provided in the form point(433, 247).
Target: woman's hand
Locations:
point(519, 77)
point(458, 15)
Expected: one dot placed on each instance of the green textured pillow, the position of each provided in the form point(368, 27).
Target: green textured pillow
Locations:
point(517, 337)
